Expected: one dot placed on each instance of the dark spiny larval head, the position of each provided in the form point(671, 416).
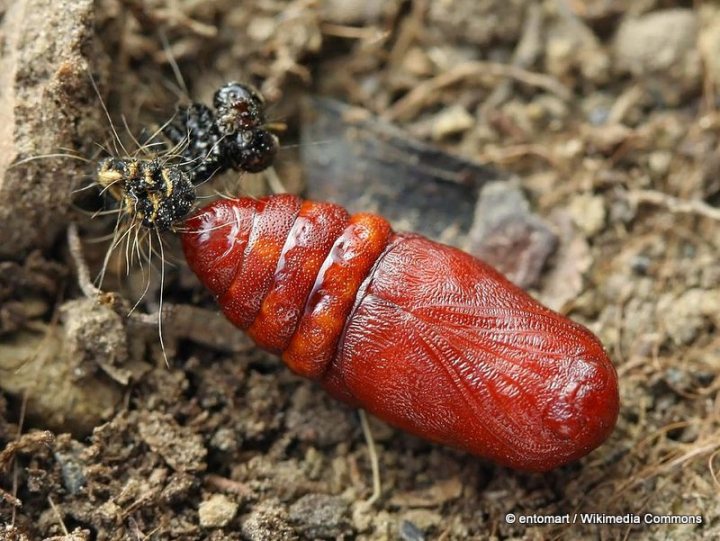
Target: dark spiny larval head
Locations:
point(239, 107)
point(252, 151)
point(158, 194)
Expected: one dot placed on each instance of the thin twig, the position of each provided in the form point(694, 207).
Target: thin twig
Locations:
point(674, 204)
point(411, 103)
point(58, 515)
point(374, 462)
point(274, 181)
point(76, 252)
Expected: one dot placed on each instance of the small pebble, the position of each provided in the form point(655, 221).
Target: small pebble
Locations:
point(268, 521)
point(356, 13)
point(659, 162)
point(656, 41)
point(588, 213)
point(410, 532)
point(661, 46)
point(451, 121)
point(423, 519)
point(320, 515)
point(182, 449)
point(417, 63)
point(217, 511)
point(508, 236)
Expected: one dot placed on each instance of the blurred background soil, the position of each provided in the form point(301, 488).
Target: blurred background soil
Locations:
point(574, 144)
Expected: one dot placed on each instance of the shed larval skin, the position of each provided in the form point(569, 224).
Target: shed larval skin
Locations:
point(422, 335)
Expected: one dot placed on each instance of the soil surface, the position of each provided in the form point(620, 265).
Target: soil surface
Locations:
point(574, 145)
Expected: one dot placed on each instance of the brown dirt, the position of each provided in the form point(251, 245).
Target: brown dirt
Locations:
point(600, 118)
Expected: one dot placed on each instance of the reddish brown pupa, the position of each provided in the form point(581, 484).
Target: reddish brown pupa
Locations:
point(420, 334)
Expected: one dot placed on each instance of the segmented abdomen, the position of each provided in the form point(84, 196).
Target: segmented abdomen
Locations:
point(286, 271)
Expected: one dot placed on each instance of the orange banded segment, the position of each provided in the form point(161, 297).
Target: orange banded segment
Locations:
point(273, 220)
point(351, 258)
point(215, 241)
point(316, 228)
